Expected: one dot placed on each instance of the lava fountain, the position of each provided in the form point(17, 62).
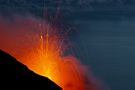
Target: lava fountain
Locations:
point(45, 51)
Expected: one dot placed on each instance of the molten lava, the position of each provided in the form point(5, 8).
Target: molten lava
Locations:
point(63, 70)
point(44, 50)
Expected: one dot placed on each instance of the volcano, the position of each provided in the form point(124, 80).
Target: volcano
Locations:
point(13, 71)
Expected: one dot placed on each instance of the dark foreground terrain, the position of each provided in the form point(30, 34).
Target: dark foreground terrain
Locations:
point(12, 71)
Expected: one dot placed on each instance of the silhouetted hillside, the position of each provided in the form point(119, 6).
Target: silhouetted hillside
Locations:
point(13, 71)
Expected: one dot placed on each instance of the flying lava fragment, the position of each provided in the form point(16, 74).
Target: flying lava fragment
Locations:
point(43, 47)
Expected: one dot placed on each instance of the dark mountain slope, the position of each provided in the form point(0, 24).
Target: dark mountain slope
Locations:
point(13, 71)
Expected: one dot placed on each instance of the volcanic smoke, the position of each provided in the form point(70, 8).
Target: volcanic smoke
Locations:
point(43, 47)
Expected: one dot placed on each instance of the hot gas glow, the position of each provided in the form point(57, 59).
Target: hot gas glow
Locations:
point(42, 47)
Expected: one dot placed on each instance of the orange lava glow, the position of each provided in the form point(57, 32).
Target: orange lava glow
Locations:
point(44, 49)
point(63, 70)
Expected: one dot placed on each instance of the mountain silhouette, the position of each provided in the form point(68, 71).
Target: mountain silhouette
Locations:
point(13, 71)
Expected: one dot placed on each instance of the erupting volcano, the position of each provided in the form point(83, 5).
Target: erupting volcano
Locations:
point(44, 48)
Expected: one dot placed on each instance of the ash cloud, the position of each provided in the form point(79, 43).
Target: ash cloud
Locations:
point(19, 35)
point(18, 27)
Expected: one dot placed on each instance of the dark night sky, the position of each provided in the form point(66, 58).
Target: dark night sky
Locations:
point(105, 34)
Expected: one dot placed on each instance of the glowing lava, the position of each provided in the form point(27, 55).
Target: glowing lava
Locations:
point(45, 54)
point(52, 63)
